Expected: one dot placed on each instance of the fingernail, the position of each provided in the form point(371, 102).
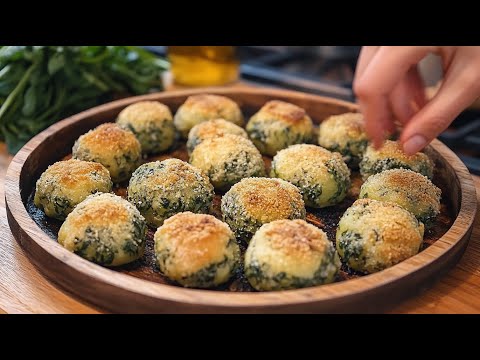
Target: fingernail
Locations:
point(414, 144)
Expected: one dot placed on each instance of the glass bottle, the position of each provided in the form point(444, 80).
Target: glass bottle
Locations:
point(203, 65)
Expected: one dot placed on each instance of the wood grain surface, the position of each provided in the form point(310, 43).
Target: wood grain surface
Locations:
point(66, 302)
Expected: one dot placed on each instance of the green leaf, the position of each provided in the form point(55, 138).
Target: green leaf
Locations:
point(40, 85)
point(30, 101)
point(11, 53)
point(55, 63)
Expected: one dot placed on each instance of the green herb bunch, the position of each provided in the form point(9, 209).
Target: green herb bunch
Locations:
point(40, 85)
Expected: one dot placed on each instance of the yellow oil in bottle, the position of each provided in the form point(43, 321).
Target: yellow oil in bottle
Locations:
point(203, 65)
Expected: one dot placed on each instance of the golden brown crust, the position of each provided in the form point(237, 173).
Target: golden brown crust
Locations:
point(217, 127)
point(145, 111)
point(109, 137)
point(308, 151)
point(295, 237)
point(208, 103)
point(224, 144)
point(198, 239)
point(397, 223)
point(389, 249)
point(266, 199)
point(204, 107)
point(70, 172)
point(105, 229)
point(386, 234)
point(215, 154)
point(352, 124)
point(176, 170)
point(284, 111)
point(100, 211)
point(392, 149)
point(311, 167)
point(407, 179)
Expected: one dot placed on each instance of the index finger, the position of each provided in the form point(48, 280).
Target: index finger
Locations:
point(366, 55)
point(386, 69)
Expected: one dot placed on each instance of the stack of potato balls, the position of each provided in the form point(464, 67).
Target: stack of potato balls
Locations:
point(263, 207)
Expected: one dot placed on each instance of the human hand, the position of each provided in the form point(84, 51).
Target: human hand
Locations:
point(390, 90)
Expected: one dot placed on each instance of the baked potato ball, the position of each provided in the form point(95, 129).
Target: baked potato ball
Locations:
point(322, 176)
point(105, 229)
point(115, 148)
point(212, 128)
point(253, 202)
point(196, 250)
point(290, 254)
point(228, 159)
point(391, 156)
point(203, 107)
point(374, 235)
point(152, 124)
point(65, 184)
point(411, 190)
point(346, 134)
point(161, 189)
point(277, 125)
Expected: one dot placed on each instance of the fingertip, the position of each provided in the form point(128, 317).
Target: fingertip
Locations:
point(414, 144)
point(377, 141)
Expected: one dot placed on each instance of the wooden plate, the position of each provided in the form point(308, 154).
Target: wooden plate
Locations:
point(121, 292)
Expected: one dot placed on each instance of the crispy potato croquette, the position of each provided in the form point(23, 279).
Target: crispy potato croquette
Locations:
point(374, 235)
point(277, 125)
point(115, 148)
point(199, 108)
point(228, 159)
point(391, 156)
point(152, 124)
point(322, 176)
point(411, 190)
point(104, 229)
point(346, 134)
point(256, 201)
point(212, 128)
point(196, 250)
point(66, 184)
point(161, 189)
point(290, 254)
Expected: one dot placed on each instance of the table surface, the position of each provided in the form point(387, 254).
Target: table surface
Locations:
point(23, 289)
